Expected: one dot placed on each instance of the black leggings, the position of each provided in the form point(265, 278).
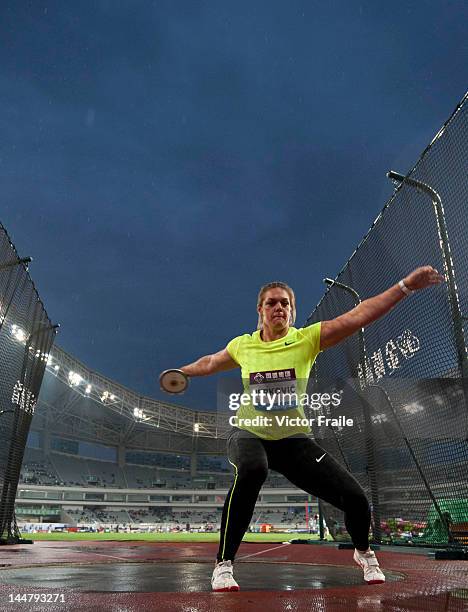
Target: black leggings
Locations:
point(295, 458)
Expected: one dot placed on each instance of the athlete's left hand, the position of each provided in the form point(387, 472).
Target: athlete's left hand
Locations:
point(423, 277)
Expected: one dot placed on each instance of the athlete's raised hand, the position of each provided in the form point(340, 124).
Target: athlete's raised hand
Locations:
point(368, 311)
point(423, 277)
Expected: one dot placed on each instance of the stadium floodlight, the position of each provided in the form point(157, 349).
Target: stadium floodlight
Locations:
point(18, 333)
point(40, 355)
point(413, 408)
point(139, 414)
point(104, 396)
point(88, 389)
point(112, 397)
point(74, 378)
point(56, 368)
point(379, 418)
point(196, 427)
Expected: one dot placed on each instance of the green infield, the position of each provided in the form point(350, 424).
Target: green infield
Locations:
point(167, 537)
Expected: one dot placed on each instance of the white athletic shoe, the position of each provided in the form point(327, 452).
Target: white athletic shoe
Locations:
point(368, 561)
point(222, 579)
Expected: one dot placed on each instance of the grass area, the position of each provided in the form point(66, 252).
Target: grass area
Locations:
point(165, 537)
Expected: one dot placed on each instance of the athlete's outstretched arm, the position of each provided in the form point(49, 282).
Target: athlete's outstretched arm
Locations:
point(368, 311)
point(211, 364)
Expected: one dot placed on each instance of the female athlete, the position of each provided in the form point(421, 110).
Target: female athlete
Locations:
point(279, 354)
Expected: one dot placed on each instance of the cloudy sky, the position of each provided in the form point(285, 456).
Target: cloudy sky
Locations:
point(162, 160)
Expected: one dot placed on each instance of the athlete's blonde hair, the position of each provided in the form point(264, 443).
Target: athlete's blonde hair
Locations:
point(275, 285)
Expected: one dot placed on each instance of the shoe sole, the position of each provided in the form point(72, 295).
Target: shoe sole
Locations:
point(227, 589)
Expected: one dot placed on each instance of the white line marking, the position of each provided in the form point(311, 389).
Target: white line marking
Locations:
point(264, 551)
point(86, 552)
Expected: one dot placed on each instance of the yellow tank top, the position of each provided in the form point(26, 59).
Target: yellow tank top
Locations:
point(275, 376)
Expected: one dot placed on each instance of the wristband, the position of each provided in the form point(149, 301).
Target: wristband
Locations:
point(404, 288)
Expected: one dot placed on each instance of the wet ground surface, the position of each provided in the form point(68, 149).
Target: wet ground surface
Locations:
point(185, 577)
point(146, 577)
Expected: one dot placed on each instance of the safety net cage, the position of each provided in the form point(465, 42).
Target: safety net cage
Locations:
point(403, 380)
point(26, 337)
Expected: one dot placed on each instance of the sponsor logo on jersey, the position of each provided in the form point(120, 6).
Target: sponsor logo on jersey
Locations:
point(273, 389)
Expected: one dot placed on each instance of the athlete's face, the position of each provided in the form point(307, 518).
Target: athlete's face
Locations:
point(276, 309)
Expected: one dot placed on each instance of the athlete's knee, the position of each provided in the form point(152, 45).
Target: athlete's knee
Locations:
point(253, 472)
point(356, 501)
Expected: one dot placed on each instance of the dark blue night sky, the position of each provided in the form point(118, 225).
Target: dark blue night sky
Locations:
point(162, 160)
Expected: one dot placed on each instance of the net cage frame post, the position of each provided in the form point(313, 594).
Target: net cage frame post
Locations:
point(449, 269)
point(371, 455)
point(24, 355)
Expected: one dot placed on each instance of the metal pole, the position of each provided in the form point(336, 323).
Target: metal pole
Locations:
point(370, 447)
point(457, 316)
point(321, 523)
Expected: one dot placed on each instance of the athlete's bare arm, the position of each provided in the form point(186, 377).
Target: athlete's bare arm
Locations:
point(368, 311)
point(211, 364)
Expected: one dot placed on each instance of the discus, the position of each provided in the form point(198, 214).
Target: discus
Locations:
point(173, 381)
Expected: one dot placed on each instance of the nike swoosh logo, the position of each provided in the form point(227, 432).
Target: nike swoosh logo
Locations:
point(288, 343)
point(320, 458)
